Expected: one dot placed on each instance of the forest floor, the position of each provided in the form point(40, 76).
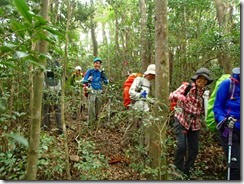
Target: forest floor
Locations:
point(130, 164)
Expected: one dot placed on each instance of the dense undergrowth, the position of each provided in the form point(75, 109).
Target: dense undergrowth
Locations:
point(100, 154)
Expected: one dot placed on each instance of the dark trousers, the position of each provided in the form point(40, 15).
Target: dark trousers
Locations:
point(48, 108)
point(186, 147)
point(235, 153)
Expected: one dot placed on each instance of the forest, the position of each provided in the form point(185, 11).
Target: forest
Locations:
point(178, 36)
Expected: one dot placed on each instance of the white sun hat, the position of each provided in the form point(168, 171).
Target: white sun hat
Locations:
point(150, 69)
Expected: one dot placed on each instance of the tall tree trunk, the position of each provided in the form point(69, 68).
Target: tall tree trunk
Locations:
point(158, 129)
point(93, 34)
point(224, 14)
point(116, 32)
point(36, 109)
point(144, 58)
point(67, 167)
point(94, 40)
point(31, 82)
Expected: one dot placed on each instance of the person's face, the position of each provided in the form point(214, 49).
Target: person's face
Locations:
point(97, 65)
point(150, 76)
point(201, 81)
point(78, 72)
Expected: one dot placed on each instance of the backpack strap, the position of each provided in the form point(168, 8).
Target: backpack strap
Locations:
point(232, 87)
point(188, 88)
point(141, 83)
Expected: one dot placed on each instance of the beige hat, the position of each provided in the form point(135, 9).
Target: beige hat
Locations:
point(150, 69)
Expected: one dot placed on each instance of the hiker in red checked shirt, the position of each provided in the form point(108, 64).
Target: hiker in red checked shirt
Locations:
point(189, 113)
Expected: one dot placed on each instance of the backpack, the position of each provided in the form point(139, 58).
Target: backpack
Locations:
point(52, 74)
point(173, 103)
point(127, 84)
point(210, 121)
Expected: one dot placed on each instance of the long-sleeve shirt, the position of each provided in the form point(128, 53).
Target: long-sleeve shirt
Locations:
point(227, 102)
point(190, 112)
point(140, 103)
point(98, 78)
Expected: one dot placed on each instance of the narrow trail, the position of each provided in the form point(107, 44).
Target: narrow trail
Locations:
point(209, 164)
point(107, 142)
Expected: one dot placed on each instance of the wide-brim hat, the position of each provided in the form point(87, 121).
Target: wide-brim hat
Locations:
point(150, 70)
point(203, 72)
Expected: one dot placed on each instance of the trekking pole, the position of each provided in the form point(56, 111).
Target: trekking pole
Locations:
point(230, 146)
point(229, 151)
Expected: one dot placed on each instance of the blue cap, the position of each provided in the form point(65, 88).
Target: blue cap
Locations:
point(236, 71)
point(97, 59)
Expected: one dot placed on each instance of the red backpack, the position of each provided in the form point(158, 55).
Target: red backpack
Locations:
point(126, 86)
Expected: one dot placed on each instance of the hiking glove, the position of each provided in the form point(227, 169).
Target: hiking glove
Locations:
point(182, 98)
point(144, 94)
point(229, 122)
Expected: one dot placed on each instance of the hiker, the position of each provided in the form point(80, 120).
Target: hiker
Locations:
point(77, 95)
point(139, 92)
point(94, 78)
point(226, 105)
point(51, 96)
point(188, 115)
point(77, 76)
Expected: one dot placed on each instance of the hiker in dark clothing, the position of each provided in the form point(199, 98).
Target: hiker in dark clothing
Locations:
point(188, 115)
point(51, 96)
point(227, 107)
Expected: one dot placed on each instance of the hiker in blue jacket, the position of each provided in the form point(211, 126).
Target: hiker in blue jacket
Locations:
point(94, 78)
point(226, 105)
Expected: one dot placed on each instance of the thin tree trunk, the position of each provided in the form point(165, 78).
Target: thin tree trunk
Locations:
point(158, 128)
point(12, 91)
point(34, 141)
point(33, 47)
point(67, 167)
point(93, 35)
point(144, 58)
point(224, 14)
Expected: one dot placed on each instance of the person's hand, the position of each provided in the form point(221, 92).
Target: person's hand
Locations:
point(182, 98)
point(144, 94)
point(229, 122)
point(90, 79)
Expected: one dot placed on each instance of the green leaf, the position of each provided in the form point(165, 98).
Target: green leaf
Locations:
point(42, 67)
point(20, 54)
point(23, 9)
point(39, 20)
point(18, 138)
point(7, 63)
point(18, 28)
point(4, 2)
point(53, 30)
point(7, 47)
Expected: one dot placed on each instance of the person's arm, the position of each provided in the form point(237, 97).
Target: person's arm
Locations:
point(220, 101)
point(134, 94)
point(87, 75)
point(178, 92)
